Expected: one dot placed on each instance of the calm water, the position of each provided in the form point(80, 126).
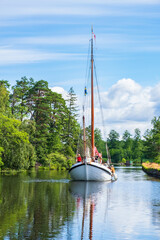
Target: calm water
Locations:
point(46, 205)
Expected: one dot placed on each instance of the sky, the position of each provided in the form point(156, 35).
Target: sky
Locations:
point(49, 40)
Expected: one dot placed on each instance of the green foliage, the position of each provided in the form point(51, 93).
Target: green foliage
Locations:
point(48, 128)
point(4, 98)
point(130, 149)
point(114, 146)
point(157, 158)
point(72, 127)
point(56, 159)
point(99, 143)
point(113, 140)
point(152, 141)
point(19, 98)
point(1, 162)
point(70, 162)
point(69, 151)
point(48, 123)
point(34, 210)
point(17, 151)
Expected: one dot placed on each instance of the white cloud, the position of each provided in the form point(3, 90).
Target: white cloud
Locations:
point(103, 40)
point(21, 56)
point(155, 97)
point(42, 8)
point(23, 8)
point(118, 42)
point(128, 100)
point(127, 105)
point(58, 40)
point(60, 90)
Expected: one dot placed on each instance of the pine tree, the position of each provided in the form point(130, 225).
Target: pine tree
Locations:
point(137, 146)
point(114, 146)
point(72, 126)
point(19, 98)
point(152, 141)
point(38, 103)
point(57, 126)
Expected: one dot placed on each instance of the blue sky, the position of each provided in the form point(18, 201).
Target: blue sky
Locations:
point(49, 40)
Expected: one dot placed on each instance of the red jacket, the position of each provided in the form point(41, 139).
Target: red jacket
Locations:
point(79, 159)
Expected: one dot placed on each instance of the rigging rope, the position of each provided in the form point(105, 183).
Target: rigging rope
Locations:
point(87, 75)
point(87, 103)
point(107, 149)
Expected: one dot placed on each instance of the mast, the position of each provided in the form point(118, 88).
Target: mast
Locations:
point(92, 98)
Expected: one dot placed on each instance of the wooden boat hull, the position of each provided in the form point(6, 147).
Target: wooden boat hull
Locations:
point(90, 172)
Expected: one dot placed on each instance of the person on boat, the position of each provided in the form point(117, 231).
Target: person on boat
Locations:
point(96, 158)
point(79, 159)
point(100, 158)
point(112, 170)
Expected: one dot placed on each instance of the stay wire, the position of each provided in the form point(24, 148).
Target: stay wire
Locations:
point(87, 63)
point(104, 132)
point(87, 74)
point(84, 97)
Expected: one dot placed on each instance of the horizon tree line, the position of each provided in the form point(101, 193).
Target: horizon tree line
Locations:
point(38, 125)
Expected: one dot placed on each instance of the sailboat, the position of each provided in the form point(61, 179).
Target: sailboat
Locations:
point(90, 169)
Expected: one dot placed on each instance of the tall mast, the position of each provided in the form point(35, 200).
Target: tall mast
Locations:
point(92, 98)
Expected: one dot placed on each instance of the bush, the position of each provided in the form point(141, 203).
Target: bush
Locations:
point(58, 161)
point(69, 163)
point(123, 160)
point(1, 162)
point(157, 159)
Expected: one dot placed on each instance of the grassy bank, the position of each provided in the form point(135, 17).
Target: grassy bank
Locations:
point(152, 169)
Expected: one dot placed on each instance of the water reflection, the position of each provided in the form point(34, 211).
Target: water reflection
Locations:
point(45, 205)
point(89, 194)
point(155, 204)
point(34, 208)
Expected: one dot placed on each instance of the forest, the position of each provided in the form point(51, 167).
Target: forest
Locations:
point(38, 126)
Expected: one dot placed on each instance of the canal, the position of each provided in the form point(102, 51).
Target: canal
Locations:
point(47, 205)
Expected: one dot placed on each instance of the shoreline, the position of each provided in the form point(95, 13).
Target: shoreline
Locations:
point(152, 169)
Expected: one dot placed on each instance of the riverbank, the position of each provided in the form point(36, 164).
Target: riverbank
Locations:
point(14, 171)
point(152, 169)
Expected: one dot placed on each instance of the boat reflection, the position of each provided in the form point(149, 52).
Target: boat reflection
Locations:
point(87, 195)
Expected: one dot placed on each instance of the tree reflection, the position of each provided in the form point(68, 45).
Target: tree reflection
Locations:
point(33, 210)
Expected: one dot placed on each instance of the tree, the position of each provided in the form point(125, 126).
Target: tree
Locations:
point(137, 146)
point(4, 98)
point(114, 146)
point(113, 139)
point(127, 145)
point(17, 152)
point(99, 143)
point(152, 140)
point(73, 128)
point(38, 102)
point(57, 120)
point(1, 162)
point(19, 98)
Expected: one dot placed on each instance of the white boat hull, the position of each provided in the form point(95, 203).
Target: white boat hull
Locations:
point(90, 172)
